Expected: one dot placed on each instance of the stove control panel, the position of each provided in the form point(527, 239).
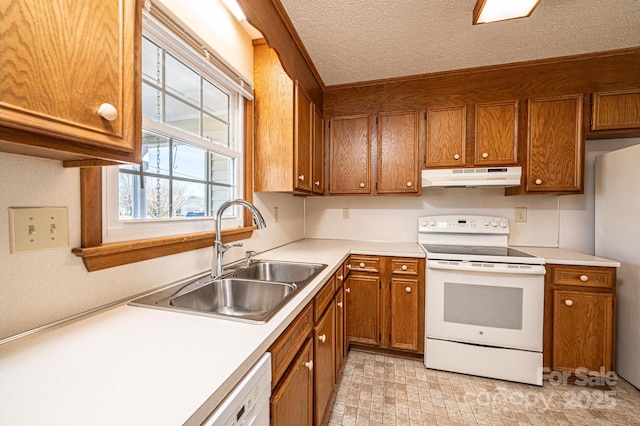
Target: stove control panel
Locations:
point(465, 224)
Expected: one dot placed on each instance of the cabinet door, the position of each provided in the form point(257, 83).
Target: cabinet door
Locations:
point(363, 309)
point(349, 154)
point(582, 331)
point(555, 145)
point(303, 140)
point(496, 135)
point(324, 362)
point(292, 402)
point(446, 136)
point(398, 153)
point(340, 342)
point(60, 62)
point(403, 314)
point(616, 110)
point(318, 153)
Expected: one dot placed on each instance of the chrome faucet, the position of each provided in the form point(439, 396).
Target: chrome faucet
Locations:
point(219, 247)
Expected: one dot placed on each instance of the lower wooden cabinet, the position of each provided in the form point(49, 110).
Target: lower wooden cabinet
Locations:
point(324, 362)
point(385, 299)
point(580, 320)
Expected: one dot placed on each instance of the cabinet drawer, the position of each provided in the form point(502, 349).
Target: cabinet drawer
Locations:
point(289, 342)
point(340, 278)
point(584, 276)
point(323, 298)
point(364, 263)
point(404, 266)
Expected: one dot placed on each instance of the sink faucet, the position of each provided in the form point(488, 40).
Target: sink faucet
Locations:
point(219, 247)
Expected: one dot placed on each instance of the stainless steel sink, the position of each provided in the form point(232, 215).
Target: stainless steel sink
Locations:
point(249, 293)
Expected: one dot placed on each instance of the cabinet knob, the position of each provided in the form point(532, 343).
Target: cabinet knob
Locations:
point(409, 184)
point(317, 183)
point(301, 177)
point(485, 155)
point(108, 112)
point(362, 185)
point(404, 267)
point(322, 338)
point(339, 304)
point(538, 181)
point(309, 365)
point(340, 277)
point(568, 302)
point(361, 264)
point(456, 157)
point(584, 278)
point(407, 289)
point(347, 290)
point(348, 266)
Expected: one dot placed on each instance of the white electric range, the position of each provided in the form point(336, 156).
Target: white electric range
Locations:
point(484, 300)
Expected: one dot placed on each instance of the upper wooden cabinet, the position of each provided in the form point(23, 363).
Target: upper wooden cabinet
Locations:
point(318, 153)
point(555, 145)
point(350, 153)
point(398, 170)
point(615, 110)
point(284, 128)
point(446, 136)
point(496, 134)
point(70, 86)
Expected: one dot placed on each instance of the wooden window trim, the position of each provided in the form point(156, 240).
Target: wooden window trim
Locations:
point(96, 255)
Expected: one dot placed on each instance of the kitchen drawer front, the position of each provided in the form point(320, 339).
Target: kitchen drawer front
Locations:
point(364, 263)
point(289, 342)
point(405, 266)
point(584, 276)
point(323, 298)
point(340, 278)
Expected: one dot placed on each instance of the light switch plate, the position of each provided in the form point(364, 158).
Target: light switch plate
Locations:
point(38, 228)
point(521, 214)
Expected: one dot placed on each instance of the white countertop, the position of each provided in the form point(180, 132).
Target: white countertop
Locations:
point(128, 365)
point(553, 255)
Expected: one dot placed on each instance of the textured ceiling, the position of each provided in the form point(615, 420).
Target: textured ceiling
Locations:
point(361, 40)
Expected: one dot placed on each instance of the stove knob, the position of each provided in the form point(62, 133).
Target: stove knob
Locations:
point(494, 223)
point(503, 223)
point(423, 221)
point(432, 222)
point(486, 222)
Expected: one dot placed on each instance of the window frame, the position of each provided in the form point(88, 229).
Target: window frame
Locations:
point(97, 255)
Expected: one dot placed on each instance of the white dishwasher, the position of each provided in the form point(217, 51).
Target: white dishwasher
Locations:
point(248, 403)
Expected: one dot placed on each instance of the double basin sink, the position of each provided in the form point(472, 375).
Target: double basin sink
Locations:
point(252, 292)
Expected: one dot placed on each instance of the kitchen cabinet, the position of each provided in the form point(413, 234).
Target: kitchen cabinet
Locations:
point(71, 95)
point(349, 154)
point(324, 362)
point(580, 319)
point(284, 128)
point(446, 136)
point(318, 153)
point(619, 110)
point(385, 298)
point(496, 133)
point(398, 163)
point(555, 145)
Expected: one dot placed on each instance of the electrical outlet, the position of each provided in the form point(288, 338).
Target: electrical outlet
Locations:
point(521, 214)
point(346, 214)
point(275, 215)
point(38, 228)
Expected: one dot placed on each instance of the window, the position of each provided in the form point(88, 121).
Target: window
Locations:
point(192, 147)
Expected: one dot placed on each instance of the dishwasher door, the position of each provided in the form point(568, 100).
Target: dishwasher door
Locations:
point(248, 403)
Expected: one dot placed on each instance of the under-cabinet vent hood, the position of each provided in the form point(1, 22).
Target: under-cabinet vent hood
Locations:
point(483, 176)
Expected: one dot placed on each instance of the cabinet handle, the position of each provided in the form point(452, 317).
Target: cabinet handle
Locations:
point(347, 290)
point(538, 181)
point(301, 177)
point(407, 289)
point(361, 184)
point(322, 338)
point(456, 157)
point(568, 302)
point(348, 266)
point(340, 277)
point(309, 365)
point(339, 304)
point(362, 264)
point(108, 112)
point(409, 184)
point(404, 267)
point(485, 155)
point(317, 183)
point(584, 278)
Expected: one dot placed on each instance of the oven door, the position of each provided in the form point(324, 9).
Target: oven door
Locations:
point(487, 304)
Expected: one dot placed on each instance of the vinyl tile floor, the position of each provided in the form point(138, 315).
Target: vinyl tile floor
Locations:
point(384, 390)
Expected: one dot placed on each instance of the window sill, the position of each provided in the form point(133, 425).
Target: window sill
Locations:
point(117, 254)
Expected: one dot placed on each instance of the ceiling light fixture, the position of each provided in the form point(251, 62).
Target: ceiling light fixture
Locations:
point(501, 10)
point(235, 9)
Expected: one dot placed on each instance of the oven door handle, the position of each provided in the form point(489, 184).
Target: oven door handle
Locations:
point(496, 268)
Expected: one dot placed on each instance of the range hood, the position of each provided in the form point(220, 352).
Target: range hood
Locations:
point(483, 176)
